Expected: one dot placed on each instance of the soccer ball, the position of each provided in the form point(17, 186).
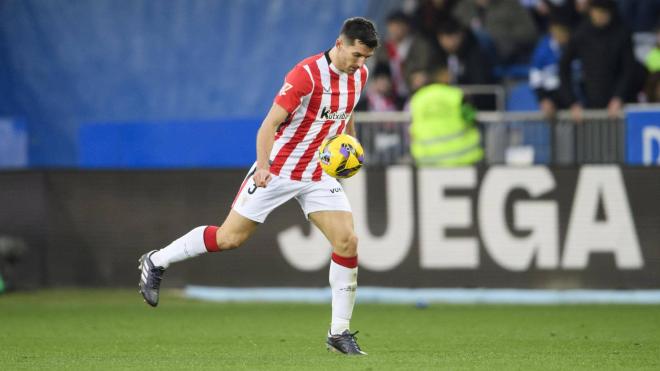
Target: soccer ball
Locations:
point(341, 156)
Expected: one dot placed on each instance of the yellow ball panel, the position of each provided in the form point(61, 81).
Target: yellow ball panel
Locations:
point(341, 156)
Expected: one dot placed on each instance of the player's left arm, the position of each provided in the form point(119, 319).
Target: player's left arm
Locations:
point(350, 127)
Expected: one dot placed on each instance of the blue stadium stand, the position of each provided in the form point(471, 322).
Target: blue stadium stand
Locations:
point(521, 98)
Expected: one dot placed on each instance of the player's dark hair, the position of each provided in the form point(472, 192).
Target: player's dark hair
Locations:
point(358, 28)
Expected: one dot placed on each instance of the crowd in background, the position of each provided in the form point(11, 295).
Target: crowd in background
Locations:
point(574, 54)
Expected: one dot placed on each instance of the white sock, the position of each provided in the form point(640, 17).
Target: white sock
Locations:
point(343, 282)
point(188, 246)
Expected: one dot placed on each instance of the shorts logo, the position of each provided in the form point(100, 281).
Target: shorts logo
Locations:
point(327, 114)
point(335, 190)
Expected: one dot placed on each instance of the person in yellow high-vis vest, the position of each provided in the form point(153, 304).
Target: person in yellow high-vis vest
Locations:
point(443, 132)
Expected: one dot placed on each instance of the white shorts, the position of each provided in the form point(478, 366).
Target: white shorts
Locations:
point(256, 203)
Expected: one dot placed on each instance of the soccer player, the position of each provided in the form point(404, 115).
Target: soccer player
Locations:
point(315, 102)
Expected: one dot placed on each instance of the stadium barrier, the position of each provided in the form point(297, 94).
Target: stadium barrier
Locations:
point(494, 95)
point(508, 138)
point(587, 227)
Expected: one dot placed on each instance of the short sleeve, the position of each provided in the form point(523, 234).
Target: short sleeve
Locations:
point(297, 84)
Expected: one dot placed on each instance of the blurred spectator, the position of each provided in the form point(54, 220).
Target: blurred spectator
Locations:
point(442, 130)
point(379, 96)
point(459, 50)
point(505, 22)
point(652, 88)
point(406, 53)
point(640, 15)
point(386, 141)
point(466, 61)
point(652, 60)
point(541, 10)
point(581, 6)
point(544, 71)
point(430, 13)
point(566, 9)
point(611, 75)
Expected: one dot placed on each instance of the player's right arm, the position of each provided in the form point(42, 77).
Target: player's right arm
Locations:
point(297, 84)
point(265, 139)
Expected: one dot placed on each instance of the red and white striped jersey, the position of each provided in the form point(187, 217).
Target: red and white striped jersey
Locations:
point(320, 100)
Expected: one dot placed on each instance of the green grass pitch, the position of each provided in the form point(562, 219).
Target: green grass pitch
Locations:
point(105, 329)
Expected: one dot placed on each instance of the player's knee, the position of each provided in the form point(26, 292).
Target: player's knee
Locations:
point(347, 245)
point(228, 241)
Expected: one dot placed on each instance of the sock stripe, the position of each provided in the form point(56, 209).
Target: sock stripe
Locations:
point(210, 240)
point(346, 262)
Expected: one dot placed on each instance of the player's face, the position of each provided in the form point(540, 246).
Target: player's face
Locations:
point(352, 57)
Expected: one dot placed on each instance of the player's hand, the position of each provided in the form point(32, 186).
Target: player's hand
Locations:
point(261, 177)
